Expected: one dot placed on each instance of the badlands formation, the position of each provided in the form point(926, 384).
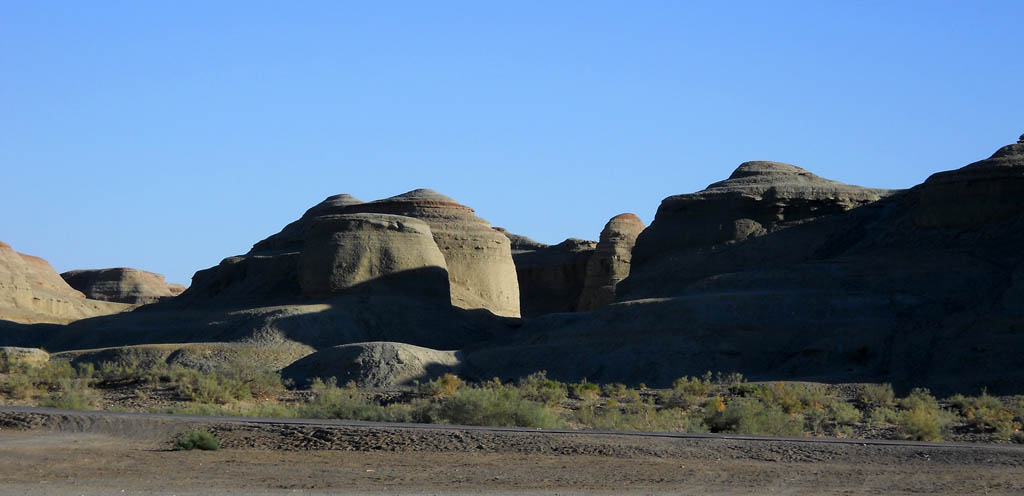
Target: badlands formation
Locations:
point(773, 272)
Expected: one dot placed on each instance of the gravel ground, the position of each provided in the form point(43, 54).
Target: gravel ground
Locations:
point(80, 453)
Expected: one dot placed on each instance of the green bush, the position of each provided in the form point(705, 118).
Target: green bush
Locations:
point(330, 401)
point(842, 412)
point(200, 440)
point(74, 399)
point(791, 398)
point(494, 407)
point(584, 390)
point(883, 416)
point(924, 424)
point(613, 391)
point(687, 392)
point(985, 412)
point(538, 387)
point(877, 394)
point(750, 416)
point(919, 399)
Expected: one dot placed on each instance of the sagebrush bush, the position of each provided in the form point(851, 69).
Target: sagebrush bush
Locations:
point(496, 407)
point(751, 416)
point(877, 395)
point(200, 440)
point(842, 412)
point(446, 385)
point(75, 399)
point(791, 398)
point(584, 390)
point(923, 424)
point(538, 387)
point(985, 412)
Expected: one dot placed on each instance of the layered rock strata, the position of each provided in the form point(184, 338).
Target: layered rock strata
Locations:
point(32, 292)
point(372, 252)
point(122, 285)
point(479, 259)
point(610, 263)
point(985, 191)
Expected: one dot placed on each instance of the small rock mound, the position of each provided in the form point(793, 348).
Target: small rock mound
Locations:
point(610, 262)
point(369, 252)
point(123, 285)
point(375, 365)
point(985, 191)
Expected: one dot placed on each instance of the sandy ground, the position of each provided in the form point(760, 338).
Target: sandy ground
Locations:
point(69, 457)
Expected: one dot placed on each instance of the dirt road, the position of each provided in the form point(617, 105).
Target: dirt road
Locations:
point(89, 453)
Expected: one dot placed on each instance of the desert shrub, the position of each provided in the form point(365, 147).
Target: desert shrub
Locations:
point(200, 440)
point(883, 416)
point(446, 385)
point(538, 387)
point(791, 398)
point(258, 377)
point(842, 412)
point(815, 420)
point(923, 424)
point(919, 399)
point(585, 391)
point(985, 412)
point(614, 390)
point(750, 416)
point(81, 398)
point(495, 407)
point(687, 392)
point(877, 394)
point(331, 401)
point(640, 417)
point(18, 386)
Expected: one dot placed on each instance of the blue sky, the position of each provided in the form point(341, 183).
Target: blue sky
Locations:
point(169, 135)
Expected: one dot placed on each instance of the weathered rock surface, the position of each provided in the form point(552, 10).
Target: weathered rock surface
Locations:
point(123, 285)
point(32, 292)
point(520, 243)
point(985, 191)
point(759, 198)
point(479, 259)
point(793, 282)
point(293, 235)
point(372, 252)
point(28, 356)
point(551, 277)
point(610, 262)
point(375, 365)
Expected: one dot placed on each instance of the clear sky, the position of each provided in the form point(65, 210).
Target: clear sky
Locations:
point(169, 135)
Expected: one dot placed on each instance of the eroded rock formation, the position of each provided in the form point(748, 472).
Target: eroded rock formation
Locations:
point(480, 267)
point(551, 277)
point(122, 285)
point(371, 253)
point(31, 291)
point(610, 262)
point(375, 365)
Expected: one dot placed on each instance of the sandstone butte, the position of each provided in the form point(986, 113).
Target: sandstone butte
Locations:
point(122, 284)
point(32, 292)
